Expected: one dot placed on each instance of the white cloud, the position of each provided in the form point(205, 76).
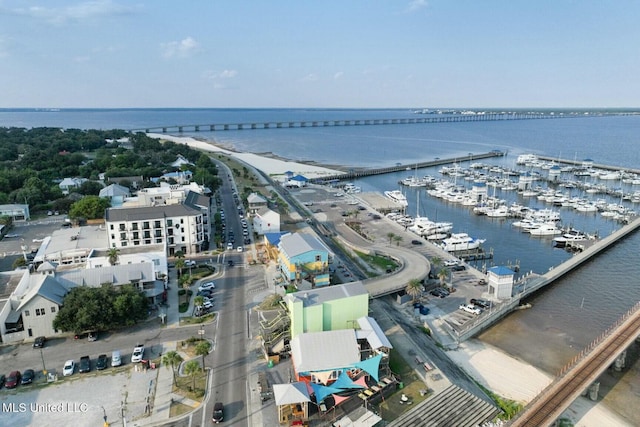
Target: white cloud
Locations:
point(224, 74)
point(310, 78)
point(85, 58)
point(338, 75)
point(415, 5)
point(179, 49)
point(228, 74)
point(75, 13)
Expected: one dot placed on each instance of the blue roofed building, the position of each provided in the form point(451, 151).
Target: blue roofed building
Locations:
point(500, 280)
point(303, 261)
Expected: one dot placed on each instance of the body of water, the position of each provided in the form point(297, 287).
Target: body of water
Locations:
point(564, 318)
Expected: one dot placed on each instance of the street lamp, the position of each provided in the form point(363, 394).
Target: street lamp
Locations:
point(44, 369)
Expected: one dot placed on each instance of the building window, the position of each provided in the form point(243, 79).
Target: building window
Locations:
point(53, 309)
point(147, 234)
point(26, 313)
point(156, 224)
point(121, 227)
point(136, 243)
point(39, 311)
point(124, 243)
point(318, 258)
point(136, 235)
point(123, 236)
point(159, 240)
point(147, 242)
point(169, 222)
point(134, 226)
point(113, 237)
point(111, 226)
point(145, 225)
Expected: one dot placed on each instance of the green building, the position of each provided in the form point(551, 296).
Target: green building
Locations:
point(327, 309)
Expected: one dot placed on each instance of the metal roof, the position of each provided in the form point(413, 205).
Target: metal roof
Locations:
point(295, 244)
point(325, 351)
point(150, 212)
point(319, 296)
point(371, 331)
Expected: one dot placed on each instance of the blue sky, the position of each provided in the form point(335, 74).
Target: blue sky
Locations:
point(329, 53)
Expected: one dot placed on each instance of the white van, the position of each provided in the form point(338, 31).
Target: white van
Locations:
point(115, 359)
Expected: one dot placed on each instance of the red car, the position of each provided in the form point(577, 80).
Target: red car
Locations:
point(13, 379)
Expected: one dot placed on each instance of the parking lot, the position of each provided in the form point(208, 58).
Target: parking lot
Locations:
point(27, 238)
point(82, 400)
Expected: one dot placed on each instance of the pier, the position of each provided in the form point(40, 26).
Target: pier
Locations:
point(535, 282)
point(297, 124)
point(360, 173)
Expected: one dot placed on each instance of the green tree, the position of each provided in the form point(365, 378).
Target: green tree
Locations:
point(442, 275)
point(397, 239)
point(192, 369)
point(172, 359)
point(90, 188)
point(113, 255)
point(198, 302)
point(414, 289)
point(90, 207)
point(202, 349)
point(391, 235)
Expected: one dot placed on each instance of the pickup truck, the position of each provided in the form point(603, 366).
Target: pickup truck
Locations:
point(85, 364)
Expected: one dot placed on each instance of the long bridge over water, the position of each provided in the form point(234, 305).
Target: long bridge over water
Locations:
point(296, 124)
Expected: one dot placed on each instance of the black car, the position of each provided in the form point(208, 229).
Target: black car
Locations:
point(39, 342)
point(204, 293)
point(480, 303)
point(218, 412)
point(85, 365)
point(439, 292)
point(230, 263)
point(27, 377)
point(101, 363)
point(416, 242)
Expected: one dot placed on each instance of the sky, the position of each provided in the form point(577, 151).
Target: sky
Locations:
point(319, 54)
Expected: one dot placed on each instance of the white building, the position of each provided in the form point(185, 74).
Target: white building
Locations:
point(500, 282)
point(178, 227)
point(266, 221)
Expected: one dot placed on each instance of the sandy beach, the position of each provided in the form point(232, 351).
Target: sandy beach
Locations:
point(496, 370)
point(272, 166)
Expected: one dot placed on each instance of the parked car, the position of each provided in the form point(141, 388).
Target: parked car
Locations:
point(85, 365)
point(239, 248)
point(207, 286)
point(27, 377)
point(207, 304)
point(230, 246)
point(116, 360)
point(189, 263)
point(204, 293)
point(92, 336)
point(439, 292)
point(416, 242)
point(480, 303)
point(138, 353)
point(39, 342)
point(470, 309)
point(230, 263)
point(69, 367)
point(13, 379)
point(101, 363)
point(3, 379)
point(218, 413)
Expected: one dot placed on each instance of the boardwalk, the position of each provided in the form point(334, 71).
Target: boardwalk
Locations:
point(575, 378)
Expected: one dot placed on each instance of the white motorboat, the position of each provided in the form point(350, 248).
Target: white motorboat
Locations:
point(460, 242)
point(397, 196)
point(545, 229)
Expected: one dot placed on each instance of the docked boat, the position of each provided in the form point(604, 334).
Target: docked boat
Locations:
point(571, 235)
point(397, 196)
point(460, 242)
point(545, 229)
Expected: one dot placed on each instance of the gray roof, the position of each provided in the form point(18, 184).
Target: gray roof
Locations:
point(116, 274)
point(371, 331)
point(114, 190)
point(197, 200)
point(325, 351)
point(256, 198)
point(295, 244)
point(319, 296)
point(45, 286)
point(150, 212)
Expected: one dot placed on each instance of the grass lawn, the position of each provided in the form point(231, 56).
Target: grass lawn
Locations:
point(178, 409)
point(391, 408)
point(185, 387)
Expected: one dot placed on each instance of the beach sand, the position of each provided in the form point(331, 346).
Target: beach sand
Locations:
point(267, 163)
point(496, 370)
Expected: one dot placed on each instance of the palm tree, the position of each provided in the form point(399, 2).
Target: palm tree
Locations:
point(192, 368)
point(180, 265)
point(202, 349)
point(390, 235)
point(436, 263)
point(414, 289)
point(397, 239)
point(112, 255)
point(442, 274)
point(172, 359)
point(198, 302)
